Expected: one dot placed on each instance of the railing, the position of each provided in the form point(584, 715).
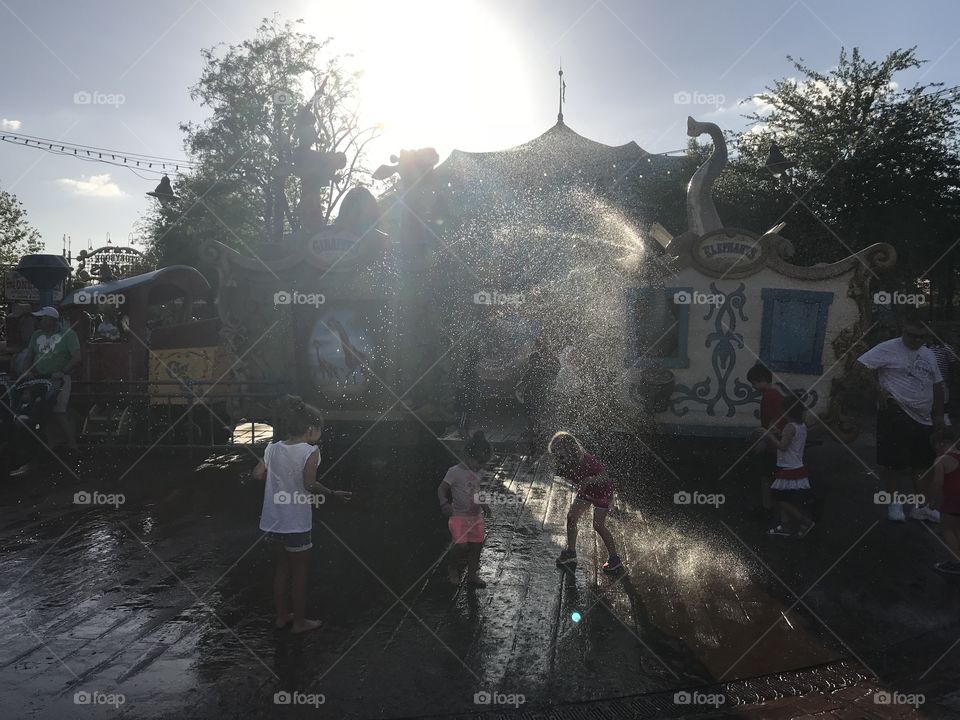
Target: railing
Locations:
point(175, 414)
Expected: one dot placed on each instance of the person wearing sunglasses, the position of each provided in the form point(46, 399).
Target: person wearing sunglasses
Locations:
point(910, 408)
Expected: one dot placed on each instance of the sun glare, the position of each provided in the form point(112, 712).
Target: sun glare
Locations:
point(435, 73)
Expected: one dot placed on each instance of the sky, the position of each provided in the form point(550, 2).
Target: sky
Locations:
point(466, 74)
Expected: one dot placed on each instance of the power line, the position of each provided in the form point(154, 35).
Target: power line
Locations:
point(119, 158)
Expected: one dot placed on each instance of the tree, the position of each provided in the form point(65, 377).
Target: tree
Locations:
point(17, 237)
point(875, 162)
point(241, 191)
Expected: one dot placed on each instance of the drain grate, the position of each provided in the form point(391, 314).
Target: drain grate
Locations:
point(823, 678)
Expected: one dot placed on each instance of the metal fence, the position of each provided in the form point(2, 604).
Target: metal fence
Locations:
point(176, 414)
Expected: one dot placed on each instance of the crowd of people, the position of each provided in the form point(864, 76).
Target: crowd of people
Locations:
point(916, 447)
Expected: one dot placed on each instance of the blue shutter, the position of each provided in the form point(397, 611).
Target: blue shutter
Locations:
point(794, 327)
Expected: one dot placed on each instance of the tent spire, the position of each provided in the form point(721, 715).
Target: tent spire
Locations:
point(563, 94)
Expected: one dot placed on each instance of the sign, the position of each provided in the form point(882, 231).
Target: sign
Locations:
point(729, 251)
point(173, 371)
point(16, 288)
point(336, 248)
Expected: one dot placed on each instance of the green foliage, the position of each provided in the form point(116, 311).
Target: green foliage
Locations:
point(875, 162)
point(242, 193)
point(17, 237)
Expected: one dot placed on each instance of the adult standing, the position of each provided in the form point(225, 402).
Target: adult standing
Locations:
point(910, 406)
point(536, 387)
point(53, 353)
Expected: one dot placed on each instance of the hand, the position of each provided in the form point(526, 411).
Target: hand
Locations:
point(343, 495)
point(446, 509)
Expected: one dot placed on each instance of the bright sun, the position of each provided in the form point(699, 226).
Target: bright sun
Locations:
point(435, 73)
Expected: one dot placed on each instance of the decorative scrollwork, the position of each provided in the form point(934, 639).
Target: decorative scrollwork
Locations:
point(725, 341)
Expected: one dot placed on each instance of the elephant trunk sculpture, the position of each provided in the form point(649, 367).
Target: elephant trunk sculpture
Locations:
point(701, 213)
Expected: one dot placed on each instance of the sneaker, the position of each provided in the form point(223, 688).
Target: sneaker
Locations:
point(613, 565)
point(567, 557)
point(780, 531)
point(895, 513)
point(951, 567)
point(924, 512)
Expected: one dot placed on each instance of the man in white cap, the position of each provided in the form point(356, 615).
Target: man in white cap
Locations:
point(54, 352)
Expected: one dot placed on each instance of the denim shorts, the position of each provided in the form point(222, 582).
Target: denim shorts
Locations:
point(292, 542)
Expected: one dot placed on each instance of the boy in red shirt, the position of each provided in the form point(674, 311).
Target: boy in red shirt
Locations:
point(771, 416)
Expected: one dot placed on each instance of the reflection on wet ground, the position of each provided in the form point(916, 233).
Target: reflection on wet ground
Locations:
point(164, 597)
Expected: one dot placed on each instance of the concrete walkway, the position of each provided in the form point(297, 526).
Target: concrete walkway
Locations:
point(165, 600)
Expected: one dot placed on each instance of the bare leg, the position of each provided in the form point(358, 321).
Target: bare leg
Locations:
point(455, 557)
point(473, 560)
point(600, 525)
point(299, 565)
point(766, 496)
point(922, 483)
point(281, 586)
point(793, 512)
point(891, 479)
point(574, 514)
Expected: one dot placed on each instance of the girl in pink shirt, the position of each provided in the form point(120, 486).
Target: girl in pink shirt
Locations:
point(594, 487)
point(460, 502)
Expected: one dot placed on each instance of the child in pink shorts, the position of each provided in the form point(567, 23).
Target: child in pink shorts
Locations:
point(459, 495)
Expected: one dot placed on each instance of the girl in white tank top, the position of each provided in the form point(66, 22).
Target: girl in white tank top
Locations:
point(791, 486)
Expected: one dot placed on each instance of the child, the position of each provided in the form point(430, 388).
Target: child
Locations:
point(791, 485)
point(290, 470)
point(594, 487)
point(946, 483)
point(771, 416)
point(458, 493)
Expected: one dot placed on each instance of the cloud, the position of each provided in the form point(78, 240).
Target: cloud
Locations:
point(94, 186)
point(749, 106)
point(10, 124)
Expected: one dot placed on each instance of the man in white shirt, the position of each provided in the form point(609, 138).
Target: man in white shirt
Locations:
point(910, 408)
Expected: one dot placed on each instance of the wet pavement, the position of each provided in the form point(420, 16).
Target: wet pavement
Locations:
point(163, 601)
